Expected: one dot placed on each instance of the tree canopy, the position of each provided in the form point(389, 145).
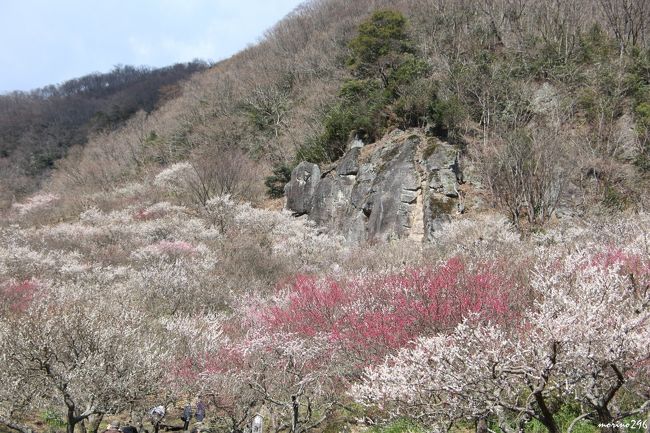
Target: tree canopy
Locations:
point(380, 44)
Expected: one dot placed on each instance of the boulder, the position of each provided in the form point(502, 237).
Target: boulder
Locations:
point(300, 189)
point(444, 168)
point(349, 164)
point(331, 200)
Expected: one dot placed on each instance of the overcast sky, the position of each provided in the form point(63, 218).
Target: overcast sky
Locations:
point(50, 41)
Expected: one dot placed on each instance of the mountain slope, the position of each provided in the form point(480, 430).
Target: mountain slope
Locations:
point(38, 127)
point(504, 82)
point(510, 135)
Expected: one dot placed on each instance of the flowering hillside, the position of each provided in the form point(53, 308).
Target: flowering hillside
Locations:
point(491, 160)
point(258, 310)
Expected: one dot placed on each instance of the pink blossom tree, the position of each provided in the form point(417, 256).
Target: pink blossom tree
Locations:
point(368, 317)
point(301, 350)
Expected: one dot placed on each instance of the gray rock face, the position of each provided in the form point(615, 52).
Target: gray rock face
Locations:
point(404, 186)
point(393, 193)
point(300, 190)
point(349, 164)
point(444, 168)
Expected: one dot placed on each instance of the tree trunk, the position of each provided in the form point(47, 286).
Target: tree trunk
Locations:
point(94, 422)
point(606, 421)
point(71, 420)
point(546, 416)
point(136, 417)
point(15, 426)
point(604, 416)
point(294, 412)
point(481, 425)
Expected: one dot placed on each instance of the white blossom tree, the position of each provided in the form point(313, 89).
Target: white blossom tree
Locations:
point(70, 351)
point(296, 378)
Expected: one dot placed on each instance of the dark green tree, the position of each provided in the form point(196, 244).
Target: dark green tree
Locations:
point(276, 182)
point(381, 45)
point(385, 65)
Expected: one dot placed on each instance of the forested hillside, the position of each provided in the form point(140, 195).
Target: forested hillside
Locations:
point(485, 76)
point(385, 217)
point(37, 128)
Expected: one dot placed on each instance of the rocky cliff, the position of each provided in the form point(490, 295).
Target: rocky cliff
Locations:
point(404, 186)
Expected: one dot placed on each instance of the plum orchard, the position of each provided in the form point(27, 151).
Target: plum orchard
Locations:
point(96, 312)
point(117, 311)
point(64, 348)
point(585, 339)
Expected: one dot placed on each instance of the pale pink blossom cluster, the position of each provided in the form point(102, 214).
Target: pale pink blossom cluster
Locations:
point(35, 202)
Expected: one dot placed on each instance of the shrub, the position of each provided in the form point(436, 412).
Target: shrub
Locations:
point(359, 112)
point(406, 73)
point(412, 107)
point(276, 182)
point(446, 115)
point(595, 46)
point(642, 114)
point(399, 425)
point(314, 151)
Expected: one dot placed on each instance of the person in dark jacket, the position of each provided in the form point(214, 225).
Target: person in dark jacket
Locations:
point(200, 411)
point(187, 416)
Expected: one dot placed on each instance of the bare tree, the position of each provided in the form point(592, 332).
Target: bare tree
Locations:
point(226, 172)
point(267, 107)
point(525, 173)
point(628, 20)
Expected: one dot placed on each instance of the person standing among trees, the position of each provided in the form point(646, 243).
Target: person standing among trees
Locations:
point(156, 415)
point(187, 416)
point(200, 411)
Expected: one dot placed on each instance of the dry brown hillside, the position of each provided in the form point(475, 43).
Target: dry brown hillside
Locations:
point(504, 80)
